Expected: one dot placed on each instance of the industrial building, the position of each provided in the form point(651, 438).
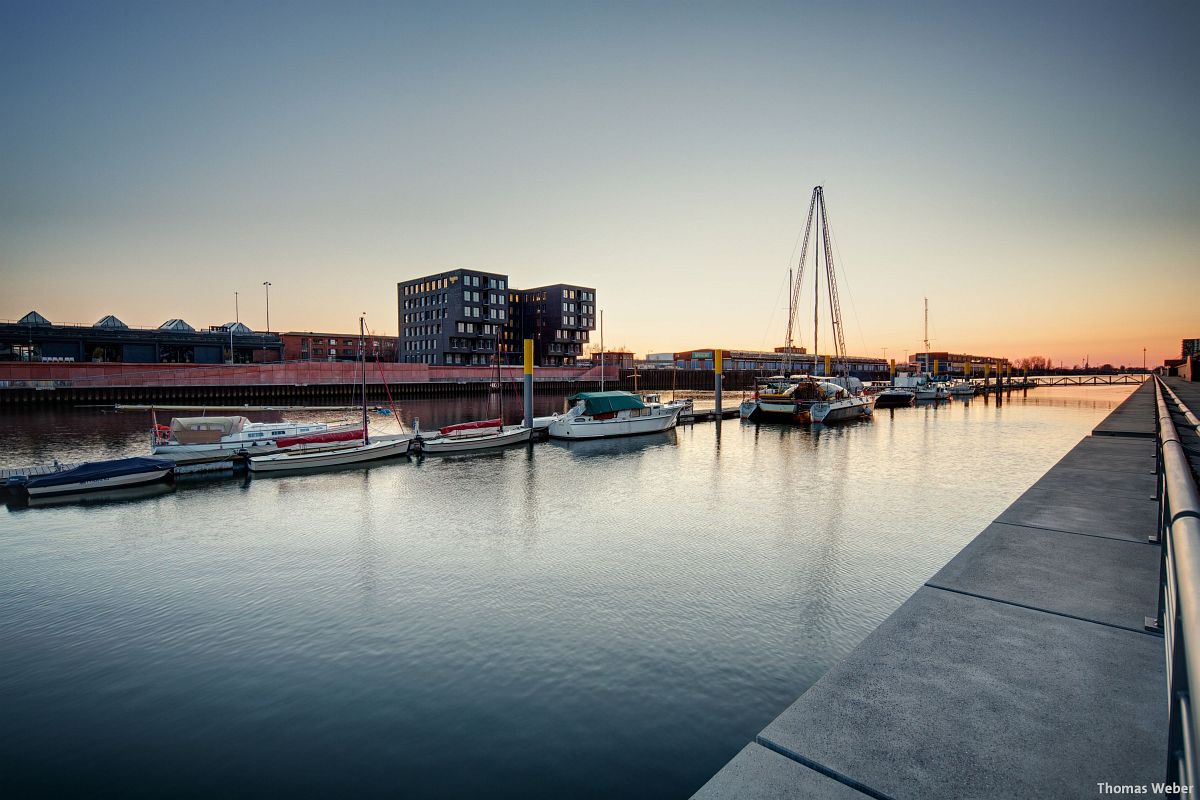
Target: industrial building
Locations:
point(783, 360)
point(958, 364)
point(312, 346)
point(35, 338)
point(468, 317)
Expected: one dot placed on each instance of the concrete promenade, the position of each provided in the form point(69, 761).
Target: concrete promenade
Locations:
point(1021, 669)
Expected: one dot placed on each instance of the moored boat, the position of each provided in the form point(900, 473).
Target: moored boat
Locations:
point(595, 415)
point(95, 476)
point(472, 436)
point(843, 409)
point(894, 397)
point(326, 454)
point(192, 439)
point(290, 461)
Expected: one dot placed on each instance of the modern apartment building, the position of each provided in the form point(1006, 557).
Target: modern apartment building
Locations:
point(559, 318)
point(453, 317)
point(467, 317)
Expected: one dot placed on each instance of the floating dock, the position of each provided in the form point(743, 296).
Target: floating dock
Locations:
point(1022, 669)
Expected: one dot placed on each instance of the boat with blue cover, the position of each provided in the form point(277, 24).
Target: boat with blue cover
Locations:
point(97, 476)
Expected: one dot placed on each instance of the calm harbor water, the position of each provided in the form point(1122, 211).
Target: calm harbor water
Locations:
point(592, 619)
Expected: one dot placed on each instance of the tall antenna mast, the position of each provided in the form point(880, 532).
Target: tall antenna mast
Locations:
point(927, 327)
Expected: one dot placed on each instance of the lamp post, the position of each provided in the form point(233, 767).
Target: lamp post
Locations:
point(267, 287)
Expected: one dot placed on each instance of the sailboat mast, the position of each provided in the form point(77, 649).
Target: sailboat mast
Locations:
point(787, 358)
point(500, 388)
point(816, 280)
point(362, 349)
point(602, 349)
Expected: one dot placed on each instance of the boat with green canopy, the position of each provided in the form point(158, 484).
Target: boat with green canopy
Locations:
point(596, 415)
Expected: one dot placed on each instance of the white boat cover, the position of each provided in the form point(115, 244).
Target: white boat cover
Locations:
point(205, 430)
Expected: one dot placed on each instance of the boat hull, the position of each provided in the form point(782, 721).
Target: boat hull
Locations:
point(63, 483)
point(894, 399)
point(581, 427)
point(444, 445)
point(351, 456)
point(842, 410)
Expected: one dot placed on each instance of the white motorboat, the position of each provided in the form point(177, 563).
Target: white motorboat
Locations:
point(845, 409)
point(596, 415)
point(962, 389)
point(192, 439)
point(932, 391)
point(469, 437)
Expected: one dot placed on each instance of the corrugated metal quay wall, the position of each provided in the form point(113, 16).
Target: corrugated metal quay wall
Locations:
point(317, 383)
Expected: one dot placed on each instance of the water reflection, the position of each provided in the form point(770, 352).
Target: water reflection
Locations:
point(611, 618)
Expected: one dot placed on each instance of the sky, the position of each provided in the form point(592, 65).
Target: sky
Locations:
point(1030, 168)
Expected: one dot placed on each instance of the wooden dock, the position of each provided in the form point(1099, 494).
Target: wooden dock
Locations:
point(1021, 669)
point(31, 472)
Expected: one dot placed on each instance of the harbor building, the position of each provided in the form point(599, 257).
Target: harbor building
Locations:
point(784, 360)
point(468, 317)
point(37, 339)
point(1189, 347)
point(952, 364)
point(310, 346)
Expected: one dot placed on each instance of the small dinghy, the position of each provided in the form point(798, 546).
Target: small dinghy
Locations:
point(100, 476)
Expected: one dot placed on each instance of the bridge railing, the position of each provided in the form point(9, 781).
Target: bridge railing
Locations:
point(1179, 589)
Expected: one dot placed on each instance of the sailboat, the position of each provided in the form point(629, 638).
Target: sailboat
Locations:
point(338, 456)
point(467, 437)
point(803, 398)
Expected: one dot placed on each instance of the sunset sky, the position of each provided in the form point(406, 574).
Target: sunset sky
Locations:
point(1031, 168)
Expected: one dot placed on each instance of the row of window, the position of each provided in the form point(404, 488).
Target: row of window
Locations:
point(574, 294)
point(427, 300)
point(422, 316)
point(472, 344)
point(465, 359)
point(428, 286)
point(492, 313)
point(423, 330)
point(421, 344)
point(471, 327)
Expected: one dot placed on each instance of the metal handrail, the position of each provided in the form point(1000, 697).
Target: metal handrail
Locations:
point(1179, 587)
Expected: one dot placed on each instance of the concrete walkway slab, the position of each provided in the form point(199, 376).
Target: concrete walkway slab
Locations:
point(1093, 513)
point(1111, 454)
point(1135, 417)
point(1108, 581)
point(959, 697)
point(757, 773)
point(1099, 482)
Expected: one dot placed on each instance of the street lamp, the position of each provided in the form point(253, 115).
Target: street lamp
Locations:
point(267, 287)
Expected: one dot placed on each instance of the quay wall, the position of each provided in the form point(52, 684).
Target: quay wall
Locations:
point(310, 381)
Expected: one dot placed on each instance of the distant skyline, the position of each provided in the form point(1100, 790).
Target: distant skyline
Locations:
point(1031, 168)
